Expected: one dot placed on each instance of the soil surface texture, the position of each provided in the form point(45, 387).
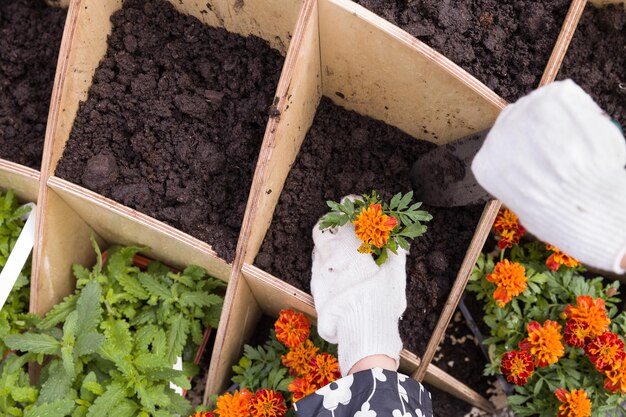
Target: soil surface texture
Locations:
point(596, 58)
point(505, 44)
point(346, 153)
point(174, 121)
point(460, 356)
point(30, 38)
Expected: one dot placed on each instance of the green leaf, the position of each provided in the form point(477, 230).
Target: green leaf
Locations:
point(405, 201)
point(88, 308)
point(88, 343)
point(57, 385)
point(59, 312)
point(105, 403)
point(393, 204)
point(58, 408)
point(154, 287)
point(35, 343)
point(198, 299)
point(176, 337)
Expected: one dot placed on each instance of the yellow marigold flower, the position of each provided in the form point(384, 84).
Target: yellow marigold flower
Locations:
point(575, 403)
point(616, 379)
point(559, 258)
point(234, 405)
point(510, 279)
point(298, 358)
point(544, 342)
point(301, 387)
point(373, 227)
point(589, 311)
point(292, 328)
point(324, 369)
point(268, 403)
point(508, 228)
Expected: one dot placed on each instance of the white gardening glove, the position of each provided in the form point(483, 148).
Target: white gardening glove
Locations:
point(557, 161)
point(358, 303)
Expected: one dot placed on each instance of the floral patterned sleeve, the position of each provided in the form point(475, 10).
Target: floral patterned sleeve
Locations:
point(371, 393)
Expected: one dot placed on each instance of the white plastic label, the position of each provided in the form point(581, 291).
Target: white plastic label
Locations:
point(178, 366)
point(19, 255)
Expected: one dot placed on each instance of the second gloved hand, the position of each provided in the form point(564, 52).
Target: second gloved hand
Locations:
point(556, 159)
point(358, 303)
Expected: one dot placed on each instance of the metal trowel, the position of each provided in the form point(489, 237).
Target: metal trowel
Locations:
point(443, 177)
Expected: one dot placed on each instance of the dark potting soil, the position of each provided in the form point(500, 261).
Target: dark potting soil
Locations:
point(596, 58)
point(30, 38)
point(460, 356)
point(174, 121)
point(346, 153)
point(505, 44)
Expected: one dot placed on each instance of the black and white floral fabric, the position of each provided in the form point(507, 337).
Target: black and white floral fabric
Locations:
point(371, 393)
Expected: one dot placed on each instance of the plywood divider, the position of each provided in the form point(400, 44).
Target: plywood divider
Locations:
point(118, 224)
point(439, 379)
point(480, 236)
point(565, 36)
point(238, 326)
point(22, 180)
point(375, 68)
point(299, 93)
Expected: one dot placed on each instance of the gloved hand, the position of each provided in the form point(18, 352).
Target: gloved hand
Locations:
point(358, 303)
point(557, 161)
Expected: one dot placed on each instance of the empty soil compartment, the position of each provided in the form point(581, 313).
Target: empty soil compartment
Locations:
point(174, 120)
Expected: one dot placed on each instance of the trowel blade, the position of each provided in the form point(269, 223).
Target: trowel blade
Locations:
point(443, 176)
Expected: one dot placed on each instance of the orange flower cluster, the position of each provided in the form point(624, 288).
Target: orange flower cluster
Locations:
point(575, 403)
point(544, 342)
point(517, 366)
point(202, 414)
point(373, 227)
point(312, 370)
point(559, 258)
point(236, 404)
point(508, 228)
point(265, 403)
point(292, 328)
point(510, 279)
point(588, 328)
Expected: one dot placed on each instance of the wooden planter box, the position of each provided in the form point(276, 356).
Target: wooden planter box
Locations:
point(336, 45)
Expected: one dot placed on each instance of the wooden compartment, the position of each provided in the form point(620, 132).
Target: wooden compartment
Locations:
point(85, 44)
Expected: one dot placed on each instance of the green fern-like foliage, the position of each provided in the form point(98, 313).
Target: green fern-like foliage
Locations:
point(14, 317)
point(114, 341)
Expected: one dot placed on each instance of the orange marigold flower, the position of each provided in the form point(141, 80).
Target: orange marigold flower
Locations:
point(301, 387)
point(606, 351)
point(517, 366)
point(559, 258)
point(544, 342)
point(268, 403)
point(510, 279)
point(589, 311)
point(292, 328)
point(202, 414)
point(373, 227)
point(576, 403)
point(236, 404)
point(324, 369)
point(577, 333)
point(616, 378)
point(298, 358)
point(508, 228)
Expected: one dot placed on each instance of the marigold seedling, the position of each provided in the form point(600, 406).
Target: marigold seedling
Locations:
point(380, 226)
